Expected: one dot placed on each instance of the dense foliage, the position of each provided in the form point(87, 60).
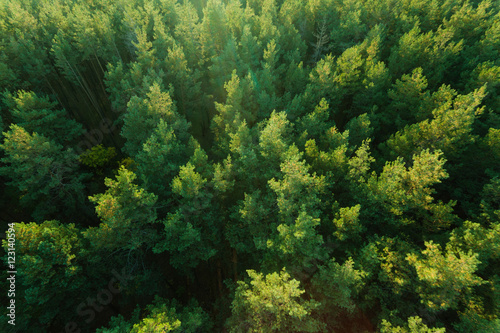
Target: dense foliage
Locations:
point(252, 166)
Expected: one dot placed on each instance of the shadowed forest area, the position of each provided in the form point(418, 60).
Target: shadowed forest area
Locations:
point(251, 166)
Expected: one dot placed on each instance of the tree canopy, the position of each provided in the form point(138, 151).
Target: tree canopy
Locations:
point(251, 165)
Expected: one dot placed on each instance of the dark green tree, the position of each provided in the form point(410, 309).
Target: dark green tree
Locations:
point(46, 175)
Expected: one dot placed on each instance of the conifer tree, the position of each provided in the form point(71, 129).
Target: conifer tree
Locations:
point(272, 303)
point(40, 115)
point(444, 279)
point(450, 130)
point(49, 257)
point(126, 212)
point(45, 174)
point(144, 115)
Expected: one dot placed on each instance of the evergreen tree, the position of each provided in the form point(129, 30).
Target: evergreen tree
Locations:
point(45, 174)
point(444, 279)
point(272, 303)
point(415, 325)
point(191, 232)
point(162, 316)
point(450, 130)
point(38, 114)
point(406, 192)
point(161, 156)
point(126, 212)
point(49, 257)
point(144, 115)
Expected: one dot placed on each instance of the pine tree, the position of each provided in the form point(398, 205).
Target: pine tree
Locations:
point(335, 286)
point(49, 256)
point(274, 140)
point(444, 279)
point(230, 115)
point(164, 315)
point(450, 130)
point(272, 303)
point(144, 115)
point(214, 34)
point(162, 154)
point(126, 212)
point(408, 97)
point(191, 233)
point(415, 325)
point(40, 115)
point(45, 174)
point(407, 192)
point(435, 52)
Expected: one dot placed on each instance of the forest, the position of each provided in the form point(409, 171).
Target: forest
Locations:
point(250, 166)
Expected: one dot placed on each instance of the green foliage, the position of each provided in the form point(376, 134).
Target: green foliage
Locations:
point(44, 173)
point(492, 141)
point(48, 257)
point(162, 316)
point(444, 279)
point(408, 99)
point(481, 240)
point(316, 122)
point(471, 321)
point(1, 127)
point(434, 51)
point(188, 183)
point(298, 189)
point(486, 73)
point(299, 243)
point(449, 130)
point(258, 134)
point(402, 190)
point(98, 156)
point(183, 240)
point(126, 212)
point(384, 260)
point(274, 136)
point(359, 129)
point(490, 203)
point(347, 223)
point(335, 286)
point(213, 29)
point(143, 116)
point(190, 232)
point(415, 325)
point(229, 115)
point(359, 165)
point(39, 114)
point(272, 303)
point(161, 156)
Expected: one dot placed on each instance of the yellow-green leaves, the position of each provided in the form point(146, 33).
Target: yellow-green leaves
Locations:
point(45, 174)
point(445, 279)
point(272, 303)
point(144, 114)
point(49, 256)
point(125, 211)
point(188, 183)
point(415, 325)
point(449, 131)
point(36, 113)
point(401, 189)
point(347, 223)
point(98, 156)
point(162, 316)
point(336, 285)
